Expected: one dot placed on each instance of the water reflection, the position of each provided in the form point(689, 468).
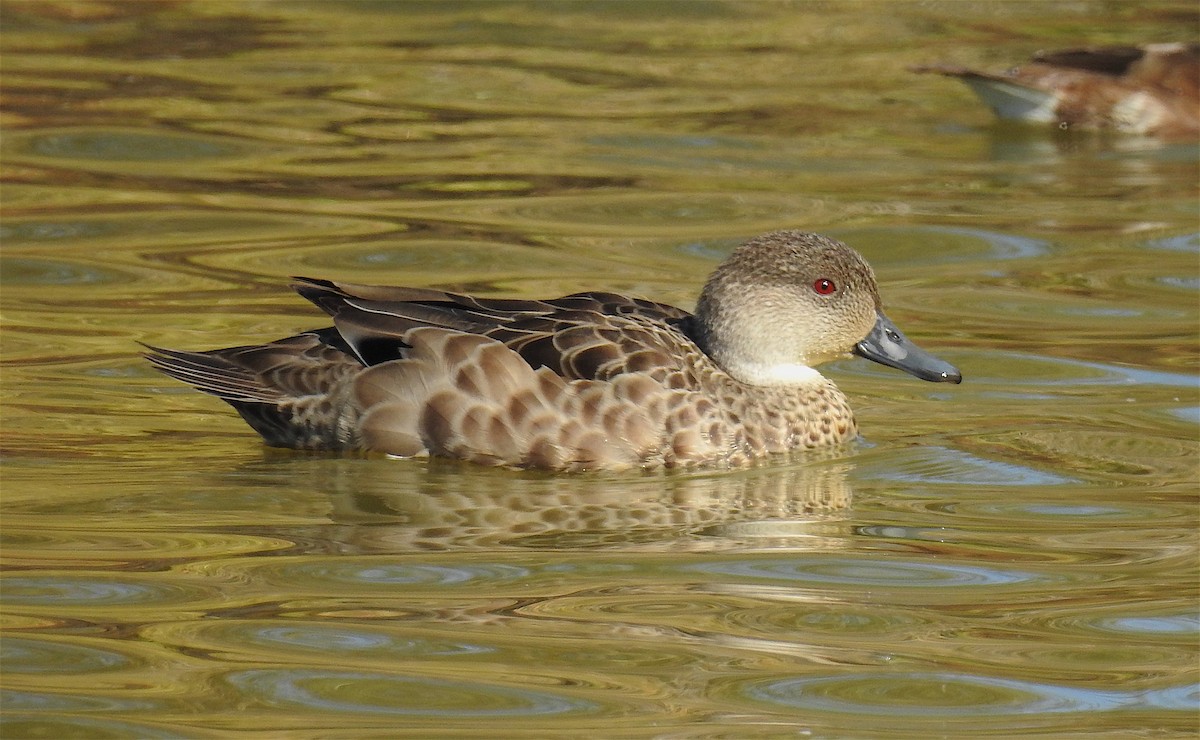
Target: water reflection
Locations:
point(30, 655)
point(319, 638)
point(120, 146)
point(389, 694)
point(452, 505)
point(865, 573)
point(34, 715)
point(954, 695)
point(1015, 558)
point(935, 464)
point(89, 592)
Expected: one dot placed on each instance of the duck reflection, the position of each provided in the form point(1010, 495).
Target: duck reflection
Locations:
point(390, 506)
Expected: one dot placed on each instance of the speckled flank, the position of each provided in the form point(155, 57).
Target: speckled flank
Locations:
point(479, 401)
point(590, 381)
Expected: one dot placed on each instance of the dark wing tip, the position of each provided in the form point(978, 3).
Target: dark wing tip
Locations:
point(324, 294)
point(211, 373)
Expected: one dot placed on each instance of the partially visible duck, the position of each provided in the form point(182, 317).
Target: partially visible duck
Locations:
point(1152, 89)
point(587, 381)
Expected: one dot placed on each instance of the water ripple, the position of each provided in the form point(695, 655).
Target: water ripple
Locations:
point(34, 725)
point(420, 260)
point(408, 574)
point(39, 701)
point(1052, 516)
point(862, 572)
point(639, 608)
point(374, 575)
point(46, 272)
point(938, 245)
point(1145, 459)
point(346, 640)
point(165, 234)
point(832, 622)
point(92, 591)
point(678, 215)
point(954, 694)
point(31, 655)
point(941, 465)
point(49, 545)
point(1168, 626)
point(1179, 243)
point(123, 147)
point(322, 637)
point(1040, 370)
point(360, 692)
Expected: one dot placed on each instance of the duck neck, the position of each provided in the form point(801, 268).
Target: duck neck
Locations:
point(747, 366)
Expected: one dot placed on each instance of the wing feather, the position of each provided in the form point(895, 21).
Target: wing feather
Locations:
point(581, 336)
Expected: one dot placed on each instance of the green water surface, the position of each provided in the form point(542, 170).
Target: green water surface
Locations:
point(1015, 556)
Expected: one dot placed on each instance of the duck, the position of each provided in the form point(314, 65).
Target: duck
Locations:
point(588, 381)
point(1150, 90)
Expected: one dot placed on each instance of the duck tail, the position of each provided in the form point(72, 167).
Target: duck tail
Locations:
point(277, 388)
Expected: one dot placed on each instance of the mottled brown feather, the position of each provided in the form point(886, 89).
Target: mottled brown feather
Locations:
point(587, 381)
point(1152, 89)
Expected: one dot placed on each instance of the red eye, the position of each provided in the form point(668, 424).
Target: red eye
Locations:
point(824, 286)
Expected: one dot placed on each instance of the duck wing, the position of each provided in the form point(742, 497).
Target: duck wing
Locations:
point(1113, 61)
point(1174, 67)
point(291, 391)
point(592, 336)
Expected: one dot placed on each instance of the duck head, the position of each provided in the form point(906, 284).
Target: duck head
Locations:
point(785, 302)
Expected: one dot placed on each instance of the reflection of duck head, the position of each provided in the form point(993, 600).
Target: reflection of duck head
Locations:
point(1152, 89)
point(441, 505)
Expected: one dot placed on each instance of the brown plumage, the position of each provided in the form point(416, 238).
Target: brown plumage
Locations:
point(1152, 89)
point(587, 381)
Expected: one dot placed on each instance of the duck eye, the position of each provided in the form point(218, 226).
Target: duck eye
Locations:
point(824, 286)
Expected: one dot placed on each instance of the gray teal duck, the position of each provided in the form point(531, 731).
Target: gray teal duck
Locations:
point(1153, 89)
point(584, 382)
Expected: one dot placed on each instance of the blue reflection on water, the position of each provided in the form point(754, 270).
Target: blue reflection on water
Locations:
point(30, 271)
point(410, 574)
point(59, 702)
point(935, 464)
point(1176, 281)
point(964, 695)
point(33, 723)
point(1072, 510)
point(1188, 413)
point(1180, 624)
point(1003, 246)
point(1181, 243)
point(40, 231)
point(1108, 374)
point(350, 639)
point(31, 655)
point(67, 591)
point(867, 572)
point(950, 244)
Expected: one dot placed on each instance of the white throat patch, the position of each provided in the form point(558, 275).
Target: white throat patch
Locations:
point(785, 373)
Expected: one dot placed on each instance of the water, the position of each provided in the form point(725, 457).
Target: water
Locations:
point(1016, 555)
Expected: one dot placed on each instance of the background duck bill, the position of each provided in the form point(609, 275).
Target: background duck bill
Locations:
point(887, 345)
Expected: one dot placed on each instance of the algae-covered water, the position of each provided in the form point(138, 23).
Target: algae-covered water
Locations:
point(1013, 556)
